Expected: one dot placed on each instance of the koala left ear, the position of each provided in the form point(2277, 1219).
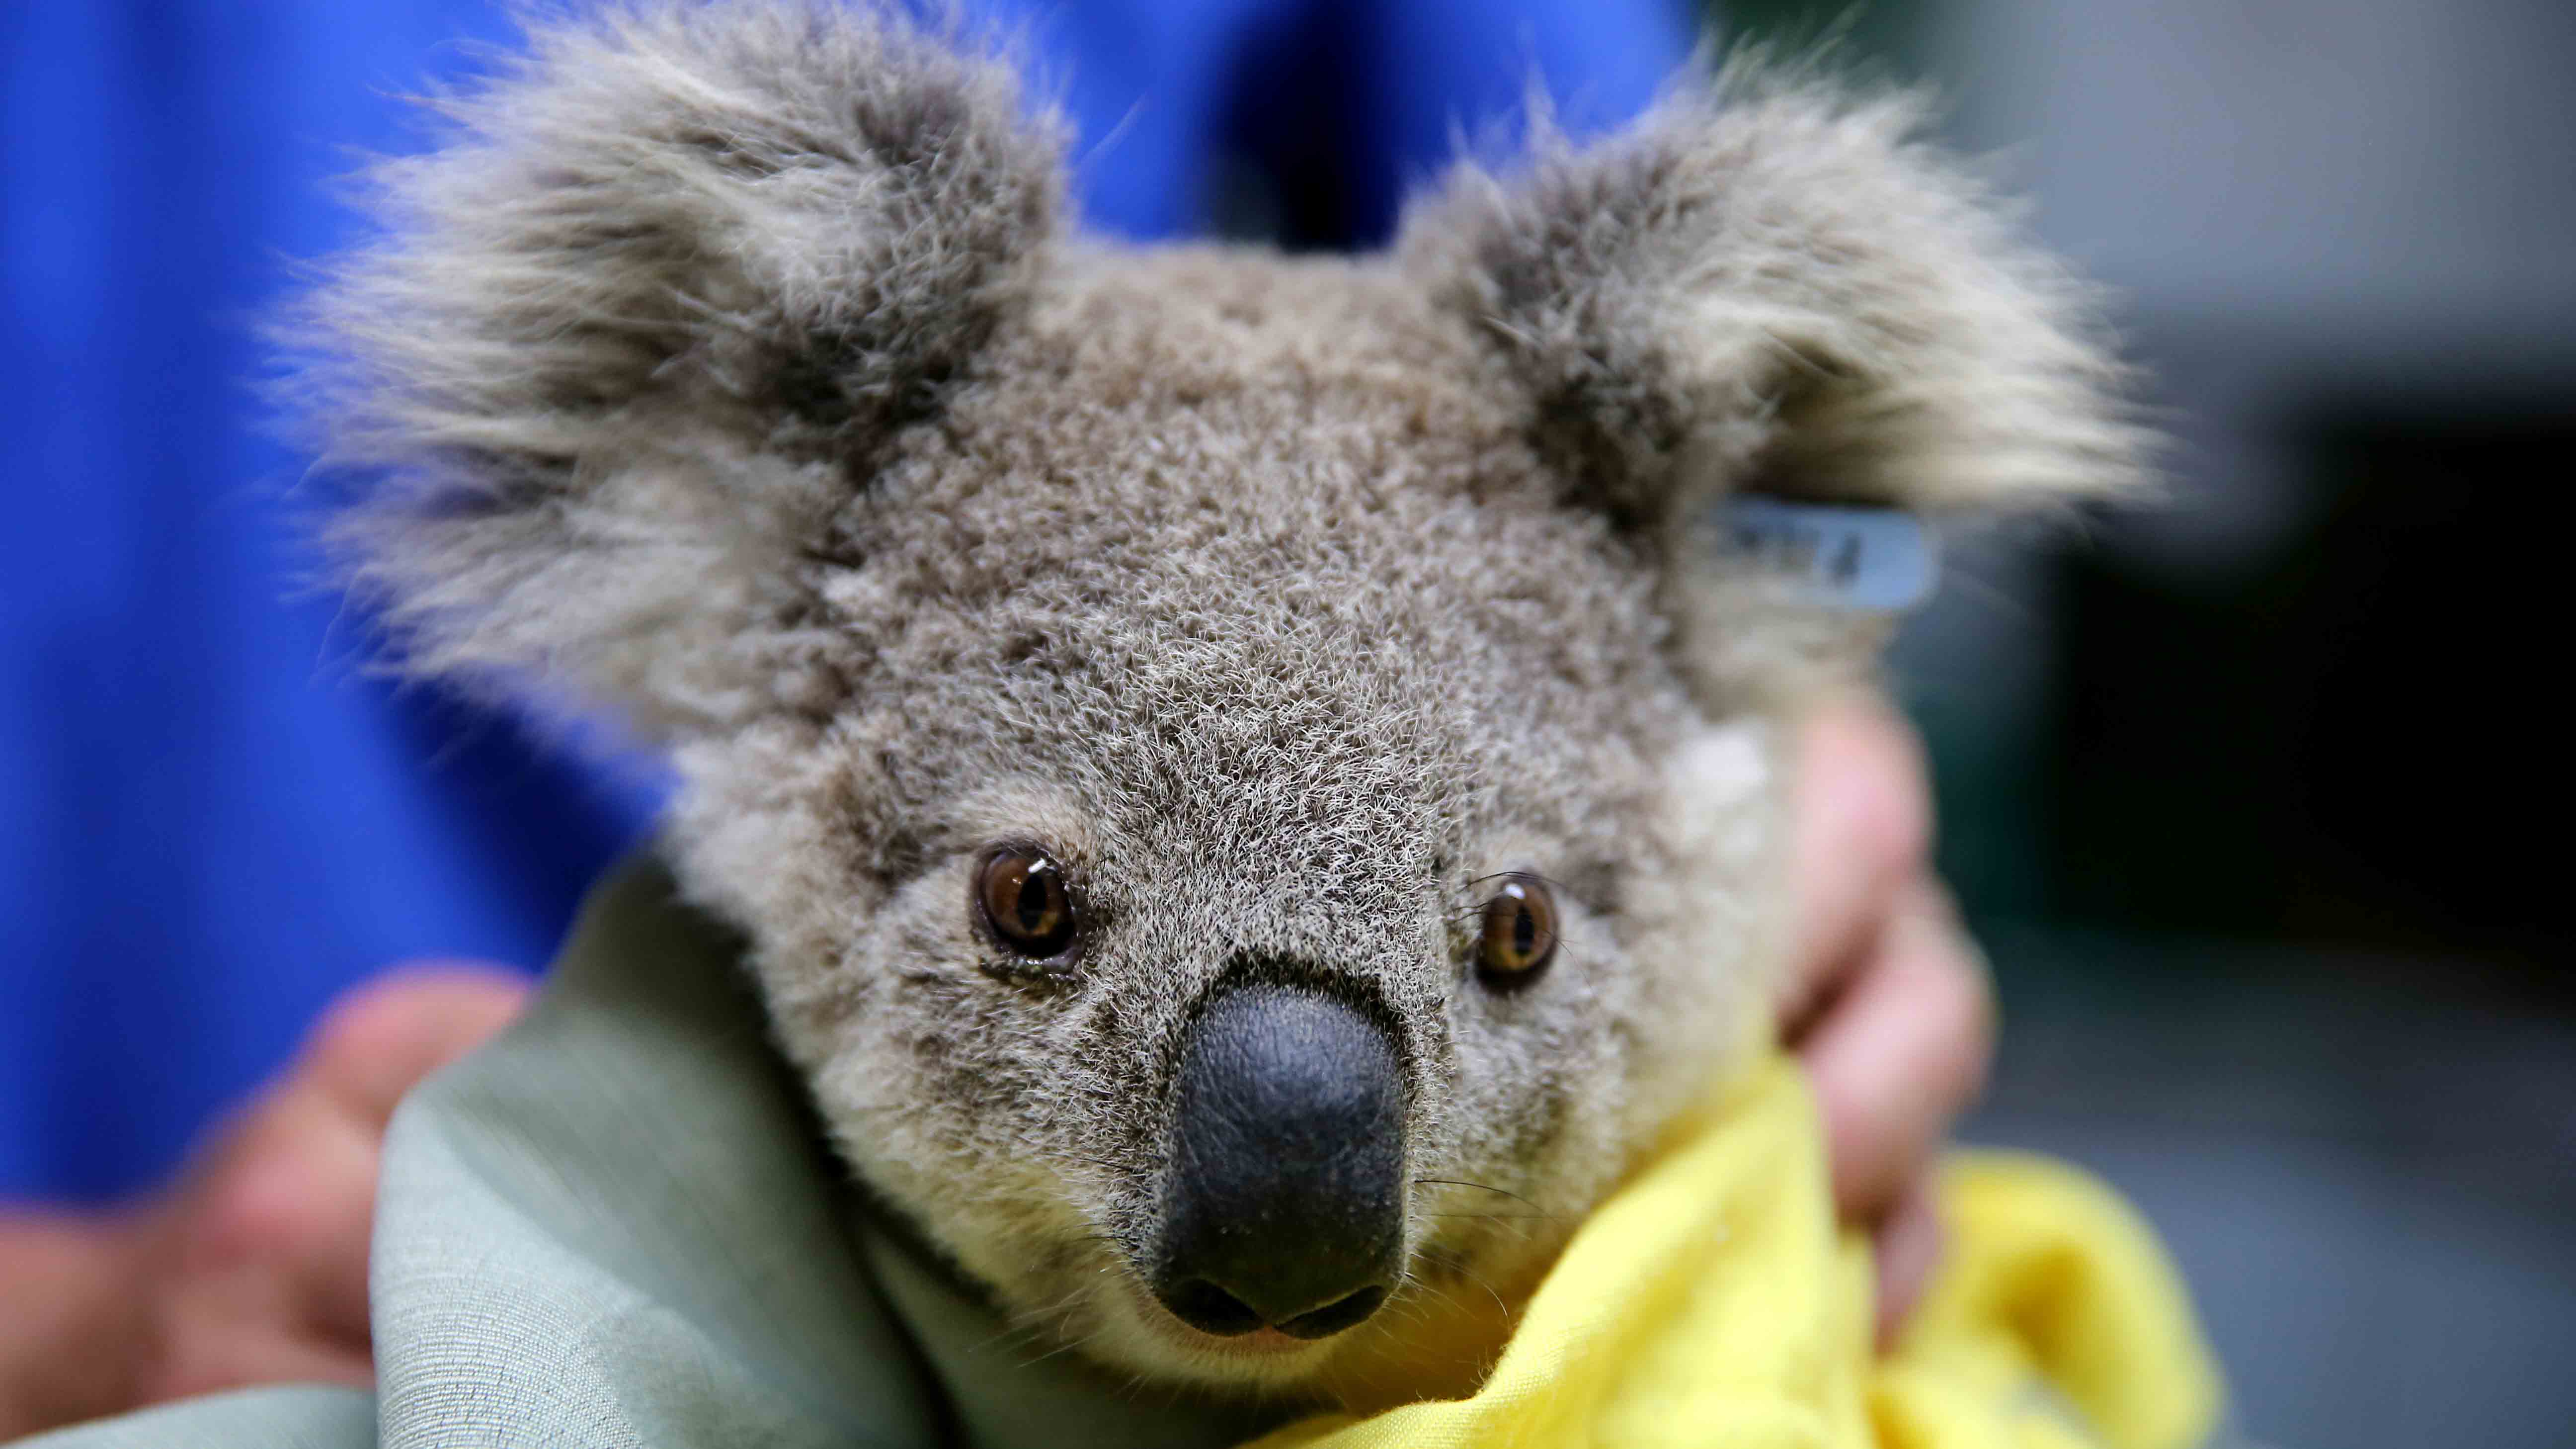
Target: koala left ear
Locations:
point(1771, 285)
point(648, 317)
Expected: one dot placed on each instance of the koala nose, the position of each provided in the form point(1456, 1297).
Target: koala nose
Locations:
point(1285, 1202)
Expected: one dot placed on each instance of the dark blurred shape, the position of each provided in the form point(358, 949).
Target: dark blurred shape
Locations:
point(2351, 744)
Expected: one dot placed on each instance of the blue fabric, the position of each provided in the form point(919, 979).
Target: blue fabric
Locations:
point(211, 818)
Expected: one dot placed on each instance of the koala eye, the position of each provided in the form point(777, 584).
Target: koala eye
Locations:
point(1520, 928)
point(1025, 901)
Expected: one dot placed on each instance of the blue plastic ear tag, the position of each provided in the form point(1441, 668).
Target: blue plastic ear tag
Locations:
point(1878, 560)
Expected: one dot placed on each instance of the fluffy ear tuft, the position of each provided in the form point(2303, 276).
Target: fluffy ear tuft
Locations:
point(1770, 282)
point(644, 319)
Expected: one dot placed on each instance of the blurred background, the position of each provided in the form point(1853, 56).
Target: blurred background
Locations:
point(2255, 795)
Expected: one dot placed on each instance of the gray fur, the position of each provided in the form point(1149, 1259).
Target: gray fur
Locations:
point(673, 279)
point(728, 367)
point(1771, 281)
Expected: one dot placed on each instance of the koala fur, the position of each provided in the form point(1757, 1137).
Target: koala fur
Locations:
point(734, 366)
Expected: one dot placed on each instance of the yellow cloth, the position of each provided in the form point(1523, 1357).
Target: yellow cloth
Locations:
point(1713, 1302)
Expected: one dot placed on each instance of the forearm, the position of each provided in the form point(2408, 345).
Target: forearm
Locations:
point(72, 1318)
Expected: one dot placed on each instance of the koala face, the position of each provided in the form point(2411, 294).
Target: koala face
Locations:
point(1280, 871)
point(1251, 804)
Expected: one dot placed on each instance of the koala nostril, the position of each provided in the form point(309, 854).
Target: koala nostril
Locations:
point(1324, 1322)
point(1210, 1309)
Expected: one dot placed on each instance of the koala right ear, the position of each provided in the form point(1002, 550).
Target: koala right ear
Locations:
point(1772, 285)
point(639, 326)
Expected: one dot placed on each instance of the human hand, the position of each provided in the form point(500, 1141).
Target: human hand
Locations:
point(1890, 1006)
point(252, 1267)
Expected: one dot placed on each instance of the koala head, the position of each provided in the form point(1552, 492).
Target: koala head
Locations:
point(1251, 797)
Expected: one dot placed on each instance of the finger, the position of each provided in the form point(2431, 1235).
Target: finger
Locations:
point(378, 1041)
point(1909, 1246)
point(270, 1234)
point(208, 1354)
point(277, 1232)
point(1903, 1051)
point(73, 1329)
point(1861, 827)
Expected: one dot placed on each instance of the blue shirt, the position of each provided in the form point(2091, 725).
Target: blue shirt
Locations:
point(212, 817)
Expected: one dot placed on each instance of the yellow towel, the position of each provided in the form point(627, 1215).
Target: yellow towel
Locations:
point(1713, 1302)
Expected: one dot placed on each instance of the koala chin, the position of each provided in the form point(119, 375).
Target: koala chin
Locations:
point(1252, 801)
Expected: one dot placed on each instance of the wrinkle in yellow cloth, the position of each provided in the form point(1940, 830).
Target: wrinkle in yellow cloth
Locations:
point(1713, 1302)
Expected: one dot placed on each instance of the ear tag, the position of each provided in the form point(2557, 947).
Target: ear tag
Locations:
point(1874, 560)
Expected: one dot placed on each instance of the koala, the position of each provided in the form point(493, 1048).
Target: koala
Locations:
point(1252, 794)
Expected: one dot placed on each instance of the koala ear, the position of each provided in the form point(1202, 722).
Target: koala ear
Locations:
point(643, 321)
point(1770, 285)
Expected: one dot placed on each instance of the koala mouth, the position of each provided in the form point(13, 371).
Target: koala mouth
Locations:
point(1283, 1208)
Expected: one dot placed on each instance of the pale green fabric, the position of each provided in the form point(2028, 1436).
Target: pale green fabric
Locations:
point(299, 1416)
point(616, 1226)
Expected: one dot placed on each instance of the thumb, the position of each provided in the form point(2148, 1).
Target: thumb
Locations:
point(378, 1041)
